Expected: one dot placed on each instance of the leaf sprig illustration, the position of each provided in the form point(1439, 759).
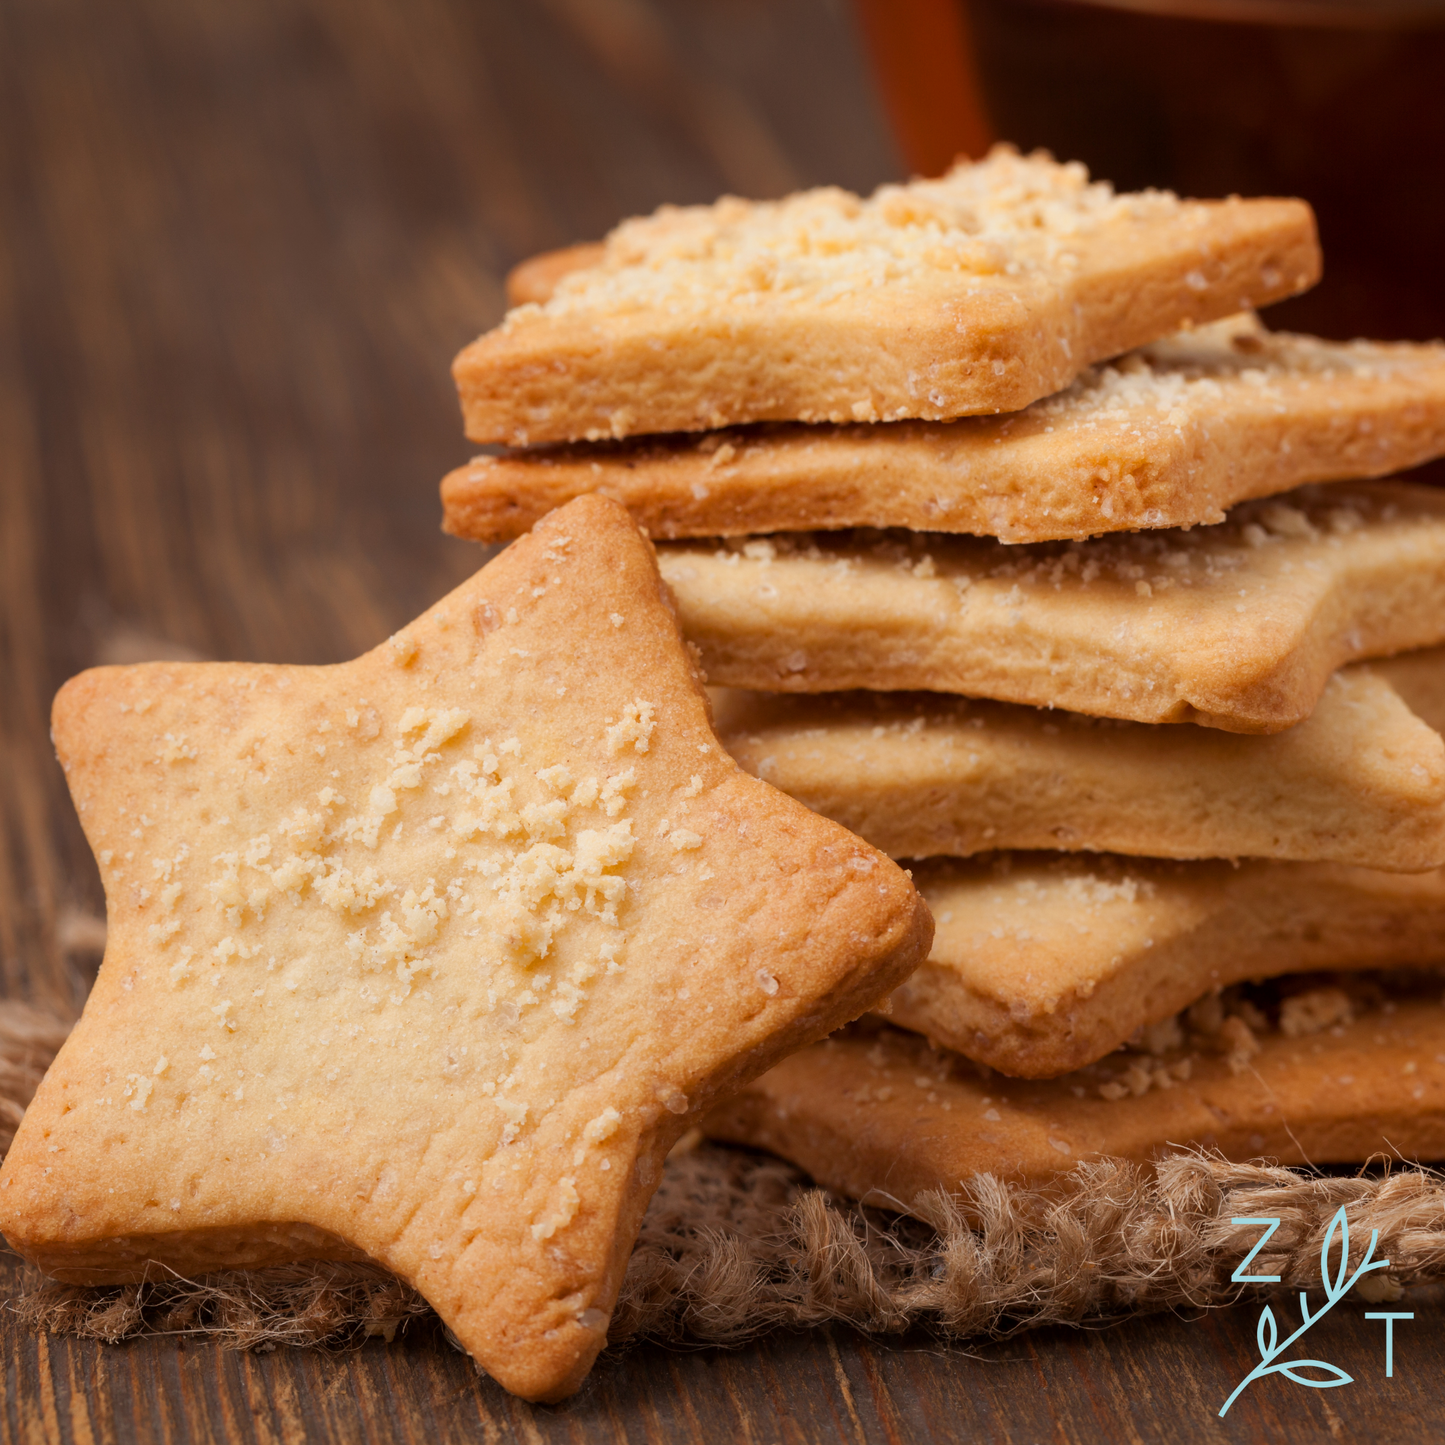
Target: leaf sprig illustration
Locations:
point(1336, 1288)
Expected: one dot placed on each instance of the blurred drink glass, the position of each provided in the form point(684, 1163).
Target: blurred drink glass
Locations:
point(1339, 101)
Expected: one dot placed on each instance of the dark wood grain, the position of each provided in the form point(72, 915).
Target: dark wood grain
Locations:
point(239, 244)
point(1151, 1379)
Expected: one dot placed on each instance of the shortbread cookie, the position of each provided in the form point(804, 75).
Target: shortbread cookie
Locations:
point(884, 1117)
point(1168, 436)
point(535, 279)
point(1361, 780)
point(1236, 626)
point(432, 955)
point(1045, 962)
point(1419, 678)
point(979, 292)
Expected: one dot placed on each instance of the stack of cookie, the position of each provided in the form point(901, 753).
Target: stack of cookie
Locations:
point(1020, 547)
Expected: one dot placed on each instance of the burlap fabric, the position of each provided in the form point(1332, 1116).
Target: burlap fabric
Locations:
point(736, 1244)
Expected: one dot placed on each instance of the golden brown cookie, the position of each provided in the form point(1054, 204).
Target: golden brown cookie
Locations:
point(536, 278)
point(1236, 626)
point(1419, 678)
point(1045, 962)
point(884, 1117)
point(1361, 780)
point(432, 955)
point(978, 292)
point(1167, 436)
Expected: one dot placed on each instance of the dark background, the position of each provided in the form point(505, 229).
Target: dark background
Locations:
point(240, 241)
point(239, 246)
point(1350, 115)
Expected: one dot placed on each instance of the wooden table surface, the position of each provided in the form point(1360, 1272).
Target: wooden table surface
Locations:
point(240, 241)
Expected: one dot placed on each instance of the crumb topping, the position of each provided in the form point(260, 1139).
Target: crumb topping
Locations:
point(1237, 560)
point(1005, 216)
point(439, 861)
point(1232, 1023)
point(1160, 387)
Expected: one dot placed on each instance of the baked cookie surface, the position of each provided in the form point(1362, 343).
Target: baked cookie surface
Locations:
point(1361, 780)
point(1170, 435)
point(1236, 626)
point(431, 956)
point(1045, 962)
point(978, 292)
point(882, 1117)
point(1419, 679)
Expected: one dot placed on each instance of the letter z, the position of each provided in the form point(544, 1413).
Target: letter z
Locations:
point(1239, 1277)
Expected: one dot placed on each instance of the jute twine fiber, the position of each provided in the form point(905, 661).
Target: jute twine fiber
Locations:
point(736, 1244)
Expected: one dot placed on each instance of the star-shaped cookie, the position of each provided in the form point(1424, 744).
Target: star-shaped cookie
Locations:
point(431, 956)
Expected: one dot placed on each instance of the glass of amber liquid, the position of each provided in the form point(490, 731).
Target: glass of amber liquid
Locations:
point(1339, 101)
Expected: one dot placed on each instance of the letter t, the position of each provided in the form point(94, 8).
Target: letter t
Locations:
point(1389, 1320)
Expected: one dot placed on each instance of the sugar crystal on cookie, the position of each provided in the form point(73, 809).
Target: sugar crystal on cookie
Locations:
point(409, 920)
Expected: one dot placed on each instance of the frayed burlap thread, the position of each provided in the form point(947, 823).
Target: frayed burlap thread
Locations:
point(736, 1244)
